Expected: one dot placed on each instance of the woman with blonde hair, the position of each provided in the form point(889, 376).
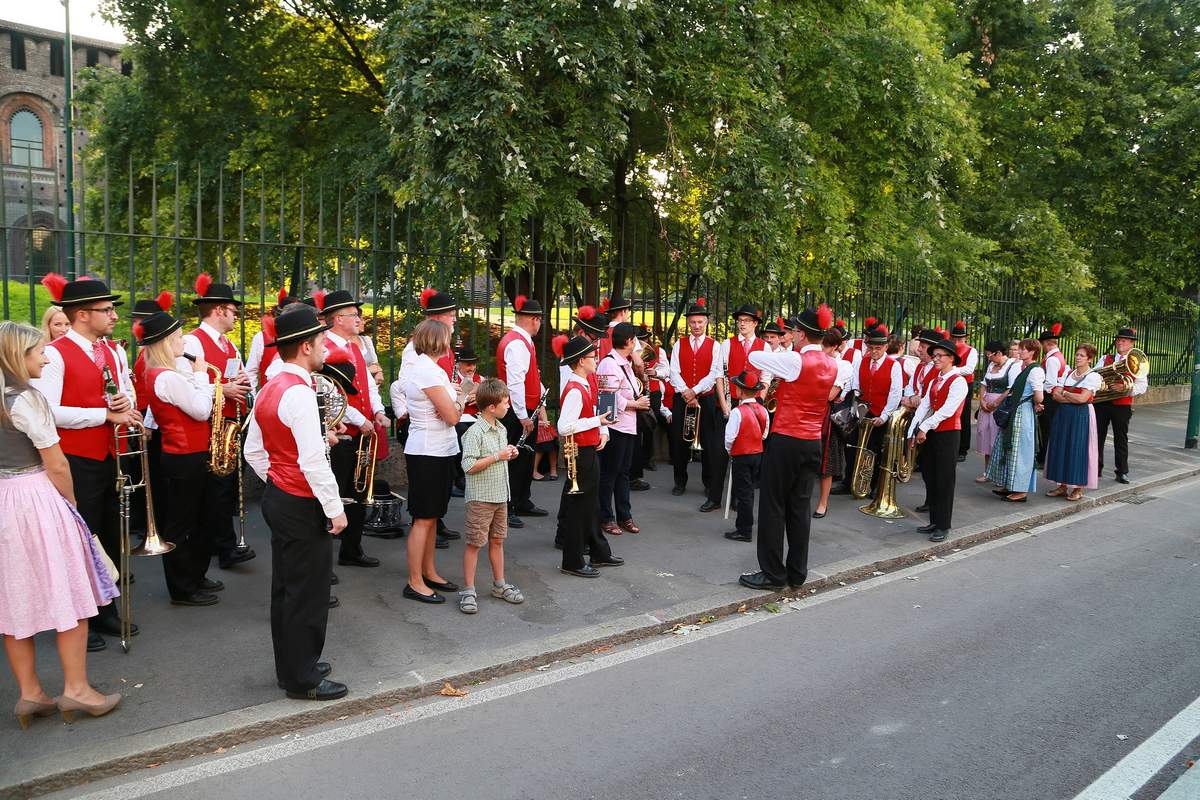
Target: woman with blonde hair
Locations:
point(51, 573)
point(54, 323)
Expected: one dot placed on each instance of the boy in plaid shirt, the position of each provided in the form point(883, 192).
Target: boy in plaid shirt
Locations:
point(485, 456)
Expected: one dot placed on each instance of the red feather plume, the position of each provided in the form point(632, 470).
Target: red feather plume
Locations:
point(604, 305)
point(203, 281)
point(319, 299)
point(279, 298)
point(337, 355)
point(960, 324)
point(164, 300)
point(881, 330)
point(587, 312)
point(870, 322)
point(824, 317)
point(426, 294)
point(841, 323)
point(558, 343)
point(55, 284)
point(137, 330)
point(780, 322)
point(520, 302)
point(700, 301)
point(1056, 328)
point(268, 328)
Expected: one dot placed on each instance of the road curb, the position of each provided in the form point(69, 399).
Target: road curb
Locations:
point(154, 748)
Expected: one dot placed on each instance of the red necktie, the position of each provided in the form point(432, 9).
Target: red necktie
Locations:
point(746, 346)
point(98, 354)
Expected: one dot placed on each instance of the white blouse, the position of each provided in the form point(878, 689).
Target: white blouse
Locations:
point(31, 415)
point(1090, 381)
point(428, 435)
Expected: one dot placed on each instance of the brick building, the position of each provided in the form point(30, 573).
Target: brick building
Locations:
point(32, 138)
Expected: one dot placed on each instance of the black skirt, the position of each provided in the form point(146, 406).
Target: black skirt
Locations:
point(429, 479)
point(833, 449)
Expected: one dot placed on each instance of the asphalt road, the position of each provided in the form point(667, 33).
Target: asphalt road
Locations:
point(1027, 668)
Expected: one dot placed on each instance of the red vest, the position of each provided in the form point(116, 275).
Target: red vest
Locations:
point(533, 378)
point(937, 399)
point(694, 366)
point(140, 390)
point(848, 355)
point(737, 355)
point(269, 354)
point(588, 409)
point(1060, 368)
point(180, 433)
point(1120, 401)
point(750, 429)
point(217, 356)
point(446, 362)
point(83, 387)
point(360, 402)
point(875, 387)
point(278, 439)
point(605, 343)
point(963, 350)
point(921, 382)
point(803, 404)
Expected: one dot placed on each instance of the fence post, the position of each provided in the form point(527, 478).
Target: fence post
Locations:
point(1193, 424)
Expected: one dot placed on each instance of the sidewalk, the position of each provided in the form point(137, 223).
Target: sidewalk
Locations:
point(200, 678)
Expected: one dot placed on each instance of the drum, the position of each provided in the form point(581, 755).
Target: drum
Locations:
point(383, 517)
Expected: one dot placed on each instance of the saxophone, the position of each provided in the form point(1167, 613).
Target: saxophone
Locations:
point(224, 441)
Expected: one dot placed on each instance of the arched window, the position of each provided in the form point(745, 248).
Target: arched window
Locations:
point(26, 139)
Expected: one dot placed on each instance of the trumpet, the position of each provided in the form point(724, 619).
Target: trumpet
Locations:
point(691, 427)
point(570, 451)
point(364, 465)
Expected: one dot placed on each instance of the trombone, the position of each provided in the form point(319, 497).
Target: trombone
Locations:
point(364, 466)
point(132, 438)
point(691, 427)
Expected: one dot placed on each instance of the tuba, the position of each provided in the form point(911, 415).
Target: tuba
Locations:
point(1125, 371)
point(691, 427)
point(224, 439)
point(894, 448)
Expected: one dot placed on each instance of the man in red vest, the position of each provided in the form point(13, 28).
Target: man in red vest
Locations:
point(695, 369)
point(286, 447)
point(878, 382)
point(1118, 412)
point(745, 432)
point(261, 358)
point(1055, 366)
point(793, 454)
point(968, 359)
point(80, 366)
point(517, 366)
point(734, 351)
point(218, 316)
point(364, 411)
point(935, 426)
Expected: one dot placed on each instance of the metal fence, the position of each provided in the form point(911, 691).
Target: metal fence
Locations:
point(145, 228)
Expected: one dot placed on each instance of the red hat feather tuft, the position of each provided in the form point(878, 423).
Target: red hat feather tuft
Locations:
point(137, 329)
point(604, 305)
point(1133, 331)
point(700, 301)
point(426, 294)
point(780, 322)
point(960, 324)
point(758, 311)
point(824, 317)
point(587, 312)
point(558, 343)
point(319, 299)
point(870, 322)
point(337, 355)
point(520, 302)
point(203, 281)
point(881, 330)
point(1056, 328)
point(165, 300)
point(55, 284)
point(841, 323)
point(268, 328)
point(279, 298)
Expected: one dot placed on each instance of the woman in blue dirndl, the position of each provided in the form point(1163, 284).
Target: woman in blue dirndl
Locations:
point(1012, 465)
point(1071, 455)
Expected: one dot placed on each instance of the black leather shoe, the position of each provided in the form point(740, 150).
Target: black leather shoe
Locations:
point(1001, 492)
point(533, 511)
point(323, 670)
point(922, 509)
point(1121, 478)
point(333, 579)
point(962, 457)
point(515, 522)
point(325, 690)
point(678, 491)
point(195, 599)
point(586, 571)
point(442, 587)
point(448, 533)
point(557, 545)
point(96, 642)
point(441, 543)
point(358, 561)
point(938, 536)
point(334, 602)
point(110, 626)
point(650, 465)
point(709, 505)
point(820, 514)
point(927, 529)
point(413, 594)
point(227, 560)
point(208, 585)
point(639, 486)
point(611, 561)
point(737, 537)
point(456, 492)
point(760, 581)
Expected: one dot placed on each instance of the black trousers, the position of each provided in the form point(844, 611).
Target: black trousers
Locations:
point(185, 566)
point(789, 468)
point(1045, 419)
point(520, 469)
point(460, 477)
point(1118, 417)
point(649, 435)
point(95, 485)
point(615, 460)
point(158, 483)
point(939, 469)
point(301, 566)
point(580, 513)
point(221, 492)
point(681, 451)
point(964, 443)
point(746, 471)
point(343, 457)
point(645, 437)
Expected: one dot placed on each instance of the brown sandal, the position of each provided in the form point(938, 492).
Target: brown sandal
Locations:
point(1076, 494)
point(610, 528)
point(1058, 491)
point(630, 526)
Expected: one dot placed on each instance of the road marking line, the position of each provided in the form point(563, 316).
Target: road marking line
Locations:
point(1134, 770)
point(298, 743)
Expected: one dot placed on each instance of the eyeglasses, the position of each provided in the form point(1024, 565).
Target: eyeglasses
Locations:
point(109, 310)
point(351, 314)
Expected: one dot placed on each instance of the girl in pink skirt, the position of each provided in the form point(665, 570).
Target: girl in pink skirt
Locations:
point(1001, 372)
point(51, 575)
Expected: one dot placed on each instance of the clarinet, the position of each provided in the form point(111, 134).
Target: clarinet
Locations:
point(532, 415)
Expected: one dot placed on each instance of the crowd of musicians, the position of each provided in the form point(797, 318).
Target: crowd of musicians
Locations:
point(794, 410)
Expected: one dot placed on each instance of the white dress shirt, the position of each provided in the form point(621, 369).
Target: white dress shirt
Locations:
point(193, 347)
point(51, 386)
point(957, 394)
point(428, 435)
point(568, 416)
point(353, 416)
point(254, 359)
point(1052, 379)
point(734, 424)
point(516, 364)
point(190, 392)
point(298, 412)
point(785, 365)
point(845, 375)
point(910, 385)
point(396, 392)
point(856, 356)
point(968, 367)
point(707, 381)
point(895, 391)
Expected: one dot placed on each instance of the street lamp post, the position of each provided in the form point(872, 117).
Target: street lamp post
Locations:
point(70, 144)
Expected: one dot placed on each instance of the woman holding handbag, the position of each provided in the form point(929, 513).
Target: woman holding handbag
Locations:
point(999, 376)
point(1012, 463)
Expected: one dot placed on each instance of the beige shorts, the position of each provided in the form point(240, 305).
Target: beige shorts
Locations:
point(486, 520)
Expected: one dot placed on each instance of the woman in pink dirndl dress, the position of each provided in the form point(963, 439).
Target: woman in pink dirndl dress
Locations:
point(51, 573)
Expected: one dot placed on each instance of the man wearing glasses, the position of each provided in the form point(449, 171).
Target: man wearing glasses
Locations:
point(78, 365)
point(218, 316)
point(364, 411)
